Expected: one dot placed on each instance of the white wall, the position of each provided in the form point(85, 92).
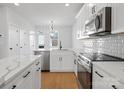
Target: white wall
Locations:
point(65, 35)
point(45, 30)
point(4, 32)
point(10, 17)
point(76, 44)
point(25, 26)
point(15, 18)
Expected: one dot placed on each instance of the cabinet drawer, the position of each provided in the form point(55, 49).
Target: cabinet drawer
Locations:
point(104, 80)
point(17, 80)
point(100, 79)
point(116, 85)
point(99, 72)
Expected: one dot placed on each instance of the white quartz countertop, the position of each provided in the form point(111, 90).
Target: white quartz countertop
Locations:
point(115, 69)
point(40, 50)
point(10, 66)
point(53, 49)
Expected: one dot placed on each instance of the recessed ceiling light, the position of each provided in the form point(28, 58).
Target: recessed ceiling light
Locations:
point(67, 4)
point(51, 21)
point(17, 4)
point(91, 5)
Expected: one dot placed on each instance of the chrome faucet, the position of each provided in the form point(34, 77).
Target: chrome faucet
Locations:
point(60, 45)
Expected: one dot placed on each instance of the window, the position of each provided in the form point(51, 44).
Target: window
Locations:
point(41, 41)
point(32, 40)
point(54, 38)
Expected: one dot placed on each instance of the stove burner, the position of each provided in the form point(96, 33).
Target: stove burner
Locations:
point(100, 57)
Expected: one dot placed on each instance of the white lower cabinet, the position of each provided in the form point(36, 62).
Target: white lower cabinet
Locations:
point(29, 79)
point(75, 64)
point(22, 81)
point(104, 80)
point(98, 79)
point(37, 75)
point(25, 82)
point(61, 61)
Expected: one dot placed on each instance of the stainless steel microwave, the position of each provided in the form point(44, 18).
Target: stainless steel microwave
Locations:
point(100, 24)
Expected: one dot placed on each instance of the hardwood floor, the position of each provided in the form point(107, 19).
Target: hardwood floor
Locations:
point(51, 80)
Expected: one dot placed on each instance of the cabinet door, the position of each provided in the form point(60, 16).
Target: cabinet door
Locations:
point(118, 20)
point(22, 81)
point(67, 62)
point(37, 78)
point(99, 6)
point(55, 62)
point(100, 79)
point(75, 65)
point(37, 75)
point(24, 42)
point(26, 82)
point(81, 20)
point(98, 82)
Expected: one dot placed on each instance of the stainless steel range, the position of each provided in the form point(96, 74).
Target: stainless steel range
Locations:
point(85, 66)
point(84, 72)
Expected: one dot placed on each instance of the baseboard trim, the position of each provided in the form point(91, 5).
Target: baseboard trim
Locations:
point(45, 70)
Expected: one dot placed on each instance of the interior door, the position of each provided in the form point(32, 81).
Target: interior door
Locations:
point(24, 42)
point(13, 40)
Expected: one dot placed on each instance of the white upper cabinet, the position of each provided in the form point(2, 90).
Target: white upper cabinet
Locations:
point(117, 18)
point(88, 10)
point(82, 16)
point(99, 6)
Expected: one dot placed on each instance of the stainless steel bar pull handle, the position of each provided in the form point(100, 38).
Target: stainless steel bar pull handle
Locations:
point(26, 74)
point(75, 61)
point(38, 69)
point(11, 48)
point(37, 63)
point(99, 74)
point(113, 86)
point(14, 86)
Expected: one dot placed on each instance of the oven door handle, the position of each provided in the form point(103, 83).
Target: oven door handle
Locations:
point(79, 62)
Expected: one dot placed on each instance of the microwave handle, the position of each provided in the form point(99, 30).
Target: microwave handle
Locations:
point(97, 22)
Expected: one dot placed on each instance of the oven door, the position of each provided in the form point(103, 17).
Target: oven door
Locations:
point(84, 76)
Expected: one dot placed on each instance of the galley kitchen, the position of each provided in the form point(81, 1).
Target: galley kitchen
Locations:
point(61, 46)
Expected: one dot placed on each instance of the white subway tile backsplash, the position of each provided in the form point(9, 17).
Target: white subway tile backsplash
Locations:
point(112, 45)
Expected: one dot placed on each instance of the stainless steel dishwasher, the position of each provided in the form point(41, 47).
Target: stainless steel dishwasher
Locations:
point(45, 64)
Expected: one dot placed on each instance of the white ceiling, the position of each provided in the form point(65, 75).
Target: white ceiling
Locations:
point(42, 13)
